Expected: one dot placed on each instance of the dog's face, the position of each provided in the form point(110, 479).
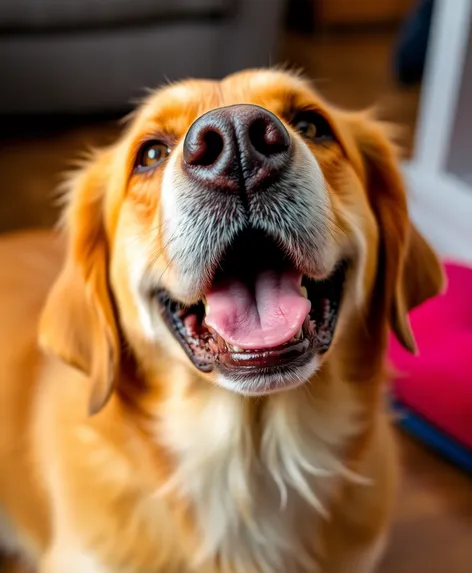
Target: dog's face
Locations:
point(242, 226)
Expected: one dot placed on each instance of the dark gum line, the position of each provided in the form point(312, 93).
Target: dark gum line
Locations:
point(277, 356)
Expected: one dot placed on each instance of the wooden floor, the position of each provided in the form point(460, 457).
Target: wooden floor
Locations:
point(432, 532)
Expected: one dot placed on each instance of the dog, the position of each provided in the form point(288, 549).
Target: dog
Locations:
point(193, 369)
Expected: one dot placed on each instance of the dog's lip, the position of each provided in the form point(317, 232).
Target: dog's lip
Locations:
point(266, 358)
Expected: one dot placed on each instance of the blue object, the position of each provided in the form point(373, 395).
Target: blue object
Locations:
point(431, 436)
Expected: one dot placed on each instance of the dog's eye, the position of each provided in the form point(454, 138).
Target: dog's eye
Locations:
point(313, 126)
point(151, 154)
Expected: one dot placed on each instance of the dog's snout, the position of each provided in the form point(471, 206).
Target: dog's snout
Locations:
point(236, 148)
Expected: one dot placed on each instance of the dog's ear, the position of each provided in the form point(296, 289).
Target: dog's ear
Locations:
point(409, 270)
point(78, 322)
point(421, 277)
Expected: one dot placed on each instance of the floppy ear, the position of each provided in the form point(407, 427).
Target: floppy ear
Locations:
point(78, 322)
point(421, 278)
point(409, 270)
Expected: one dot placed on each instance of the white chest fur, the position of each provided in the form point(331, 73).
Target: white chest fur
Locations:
point(252, 495)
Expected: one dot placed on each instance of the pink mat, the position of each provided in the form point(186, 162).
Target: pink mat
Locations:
point(437, 383)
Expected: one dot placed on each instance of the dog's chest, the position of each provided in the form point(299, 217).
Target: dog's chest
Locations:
point(247, 524)
point(256, 507)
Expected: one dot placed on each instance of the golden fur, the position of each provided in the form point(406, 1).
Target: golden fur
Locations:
point(171, 472)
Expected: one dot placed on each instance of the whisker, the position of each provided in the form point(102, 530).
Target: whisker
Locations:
point(165, 270)
point(155, 257)
point(156, 228)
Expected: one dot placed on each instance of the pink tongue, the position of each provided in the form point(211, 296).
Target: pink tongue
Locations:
point(262, 315)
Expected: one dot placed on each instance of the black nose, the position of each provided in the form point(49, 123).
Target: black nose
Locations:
point(236, 147)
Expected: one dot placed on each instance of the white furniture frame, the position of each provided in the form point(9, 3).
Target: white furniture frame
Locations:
point(439, 177)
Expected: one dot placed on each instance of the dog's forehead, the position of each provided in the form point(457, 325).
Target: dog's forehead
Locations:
point(275, 90)
point(176, 106)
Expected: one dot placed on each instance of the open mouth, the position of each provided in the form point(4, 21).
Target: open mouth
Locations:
point(260, 316)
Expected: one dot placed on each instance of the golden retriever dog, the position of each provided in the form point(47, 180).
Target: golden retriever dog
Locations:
point(193, 378)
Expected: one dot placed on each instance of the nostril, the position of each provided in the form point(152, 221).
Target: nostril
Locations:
point(213, 147)
point(205, 150)
point(268, 137)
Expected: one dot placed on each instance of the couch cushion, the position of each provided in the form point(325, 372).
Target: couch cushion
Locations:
point(21, 15)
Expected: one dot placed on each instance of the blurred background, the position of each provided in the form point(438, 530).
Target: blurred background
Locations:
point(69, 69)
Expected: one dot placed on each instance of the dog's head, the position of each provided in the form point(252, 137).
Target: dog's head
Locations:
point(244, 227)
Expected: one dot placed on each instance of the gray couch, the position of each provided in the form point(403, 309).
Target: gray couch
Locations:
point(68, 56)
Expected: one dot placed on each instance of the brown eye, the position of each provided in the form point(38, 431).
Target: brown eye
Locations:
point(151, 154)
point(313, 126)
point(306, 128)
